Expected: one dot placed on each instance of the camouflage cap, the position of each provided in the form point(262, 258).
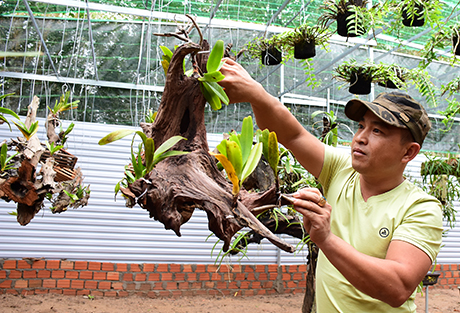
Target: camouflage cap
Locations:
point(394, 108)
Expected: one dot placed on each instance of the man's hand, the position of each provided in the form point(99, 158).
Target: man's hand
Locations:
point(316, 213)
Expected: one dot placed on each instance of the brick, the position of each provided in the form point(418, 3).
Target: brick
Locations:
point(12, 292)
point(209, 285)
point(77, 284)
point(221, 285)
point(70, 292)
point(262, 276)
point(63, 283)
point(273, 268)
point(39, 264)
point(57, 274)
point(86, 275)
point(255, 285)
point(175, 268)
point(297, 276)
point(187, 268)
point(135, 268)
point(140, 277)
point(83, 292)
point(99, 275)
point(41, 291)
point(122, 267)
point(130, 286)
point(91, 285)
point(2, 274)
point(145, 287)
point(261, 268)
point(9, 264)
point(113, 276)
point(71, 274)
point(128, 277)
point(53, 264)
point(224, 268)
point(110, 294)
point(200, 268)
point(56, 291)
point(97, 293)
point(171, 286)
point(249, 268)
point(236, 269)
point(22, 264)
point(154, 277)
point(94, 266)
point(29, 274)
point(168, 276)
point(190, 277)
point(108, 267)
point(67, 265)
point(241, 276)
point(80, 265)
point(44, 274)
point(20, 283)
point(183, 285)
point(49, 283)
point(251, 276)
point(122, 293)
point(216, 277)
point(118, 286)
point(180, 277)
point(244, 285)
point(105, 285)
point(204, 277)
point(15, 274)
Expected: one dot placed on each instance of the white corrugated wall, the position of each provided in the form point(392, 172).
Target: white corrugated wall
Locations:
point(106, 230)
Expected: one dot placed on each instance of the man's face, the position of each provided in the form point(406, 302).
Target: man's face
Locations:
point(377, 148)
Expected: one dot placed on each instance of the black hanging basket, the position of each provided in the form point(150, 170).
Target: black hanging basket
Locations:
point(360, 85)
point(388, 84)
point(271, 56)
point(342, 28)
point(304, 49)
point(455, 45)
point(416, 20)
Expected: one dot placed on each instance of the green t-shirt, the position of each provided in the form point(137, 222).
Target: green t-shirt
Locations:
point(404, 213)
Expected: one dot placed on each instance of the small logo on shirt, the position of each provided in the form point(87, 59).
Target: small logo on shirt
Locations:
point(384, 232)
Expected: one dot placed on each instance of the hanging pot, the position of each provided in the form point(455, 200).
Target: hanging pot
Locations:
point(342, 28)
point(431, 278)
point(360, 85)
point(416, 20)
point(271, 56)
point(304, 49)
point(455, 45)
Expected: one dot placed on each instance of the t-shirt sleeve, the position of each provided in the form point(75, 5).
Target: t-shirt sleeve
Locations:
point(422, 227)
point(334, 161)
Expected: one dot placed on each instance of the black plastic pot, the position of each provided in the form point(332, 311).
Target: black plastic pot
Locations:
point(431, 279)
point(304, 49)
point(455, 45)
point(416, 20)
point(360, 85)
point(271, 56)
point(342, 28)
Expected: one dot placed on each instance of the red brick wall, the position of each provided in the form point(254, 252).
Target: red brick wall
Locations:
point(153, 280)
point(30, 276)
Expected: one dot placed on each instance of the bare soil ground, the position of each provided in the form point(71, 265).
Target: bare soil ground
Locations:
point(440, 301)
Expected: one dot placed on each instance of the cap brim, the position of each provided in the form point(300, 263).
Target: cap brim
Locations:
point(356, 108)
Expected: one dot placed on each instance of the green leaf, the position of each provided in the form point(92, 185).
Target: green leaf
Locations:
point(167, 54)
point(273, 152)
point(27, 132)
point(8, 111)
point(210, 96)
point(218, 90)
point(149, 153)
point(253, 160)
point(71, 195)
point(143, 136)
point(212, 77)
point(168, 154)
point(167, 145)
point(235, 157)
point(3, 156)
point(215, 57)
point(263, 138)
point(222, 147)
point(115, 135)
point(246, 138)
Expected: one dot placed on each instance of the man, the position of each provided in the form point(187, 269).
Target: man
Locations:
point(378, 234)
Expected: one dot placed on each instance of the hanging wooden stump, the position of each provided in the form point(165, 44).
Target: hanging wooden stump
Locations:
point(360, 85)
point(343, 29)
point(416, 20)
point(179, 185)
point(64, 163)
point(304, 49)
point(271, 56)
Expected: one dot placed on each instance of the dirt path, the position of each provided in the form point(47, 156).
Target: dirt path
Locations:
point(440, 301)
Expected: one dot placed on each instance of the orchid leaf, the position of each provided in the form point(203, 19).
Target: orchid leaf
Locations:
point(273, 152)
point(167, 145)
point(215, 76)
point(115, 135)
point(210, 96)
point(246, 138)
point(230, 170)
point(235, 157)
point(253, 160)
point(215, 57)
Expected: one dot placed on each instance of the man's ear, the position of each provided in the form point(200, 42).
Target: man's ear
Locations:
point(413, 148)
